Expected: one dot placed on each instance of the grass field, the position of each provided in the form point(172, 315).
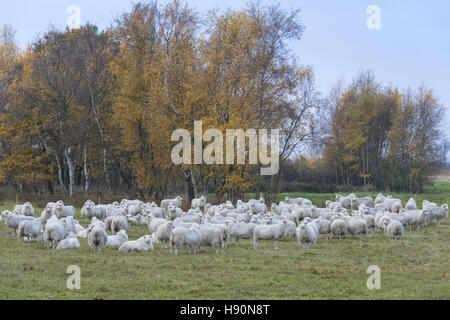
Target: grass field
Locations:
point(416, 267)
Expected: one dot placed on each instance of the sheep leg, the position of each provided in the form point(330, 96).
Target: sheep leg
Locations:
point(276, 244)
point(237, 242)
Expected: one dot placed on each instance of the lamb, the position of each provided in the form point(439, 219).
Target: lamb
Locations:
point(199, 203)
point(31, 229)
point(144, 243)
point(258, 208)
point(393, 229)
point(411, 204)
point(241, 231)
point(306, 235)
point(97, 238)
point(163, 233)
point(339, 228)
point(117, 240)
point(269, 232)
point(25, 209)
point(212, 237)
point(357, 226)
point(54, 231)
point(180, 236)
point(71, 242)
point(119, 223)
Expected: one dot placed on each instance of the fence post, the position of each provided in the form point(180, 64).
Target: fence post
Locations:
point(17, 198)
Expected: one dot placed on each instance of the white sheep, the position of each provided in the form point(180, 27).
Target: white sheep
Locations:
point(70, 242)
point(97, 238)
point(119, 223)
point(198, 203)
point(163, 233)
point(258, 208)
point(437, 213)
point(154, 223)
point(25, 209)
point(13, 221)
point(357, 226)
point(339, 228)
point(144, 243)
point(356, 202)
point(189, 237)
point(61, 211)
point(174, 212)
point(393, 229)
point(306, 234)
point(411, 204)
point(212, 237)
point(54, 231)
point(117, 240)
point(31, 229)
point(241, 230)
point(269, 232)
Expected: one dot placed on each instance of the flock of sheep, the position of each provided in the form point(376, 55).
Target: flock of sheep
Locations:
point(206, 225)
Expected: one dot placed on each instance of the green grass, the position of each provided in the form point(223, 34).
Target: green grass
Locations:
point(413, 268)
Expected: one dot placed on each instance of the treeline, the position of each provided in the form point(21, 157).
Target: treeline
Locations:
point(86, 109)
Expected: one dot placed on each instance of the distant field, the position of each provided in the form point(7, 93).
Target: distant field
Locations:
point(413, 268)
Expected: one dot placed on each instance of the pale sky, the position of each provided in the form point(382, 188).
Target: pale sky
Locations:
point(411, 48)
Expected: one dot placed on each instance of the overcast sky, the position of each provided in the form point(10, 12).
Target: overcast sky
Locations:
point(412, 47)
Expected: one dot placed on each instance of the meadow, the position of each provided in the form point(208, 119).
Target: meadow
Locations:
point(414, 268)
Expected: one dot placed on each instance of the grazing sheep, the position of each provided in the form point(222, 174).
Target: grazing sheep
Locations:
point(97, 238)
point(241, 230)
point(71, 242)
point(419, 218)
point(269, 232)
point(31, 229)
point(163, 233)
point(117, 240)
point(25, 209)
point(411, 204)
point(393, 229)
point(306, 235)
point(190, 237)
point(339, 228)
point(144, 243)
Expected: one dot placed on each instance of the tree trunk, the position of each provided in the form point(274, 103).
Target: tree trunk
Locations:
point(71, 170)
point(86, 172)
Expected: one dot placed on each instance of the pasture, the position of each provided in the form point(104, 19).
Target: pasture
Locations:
point(414, 268)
